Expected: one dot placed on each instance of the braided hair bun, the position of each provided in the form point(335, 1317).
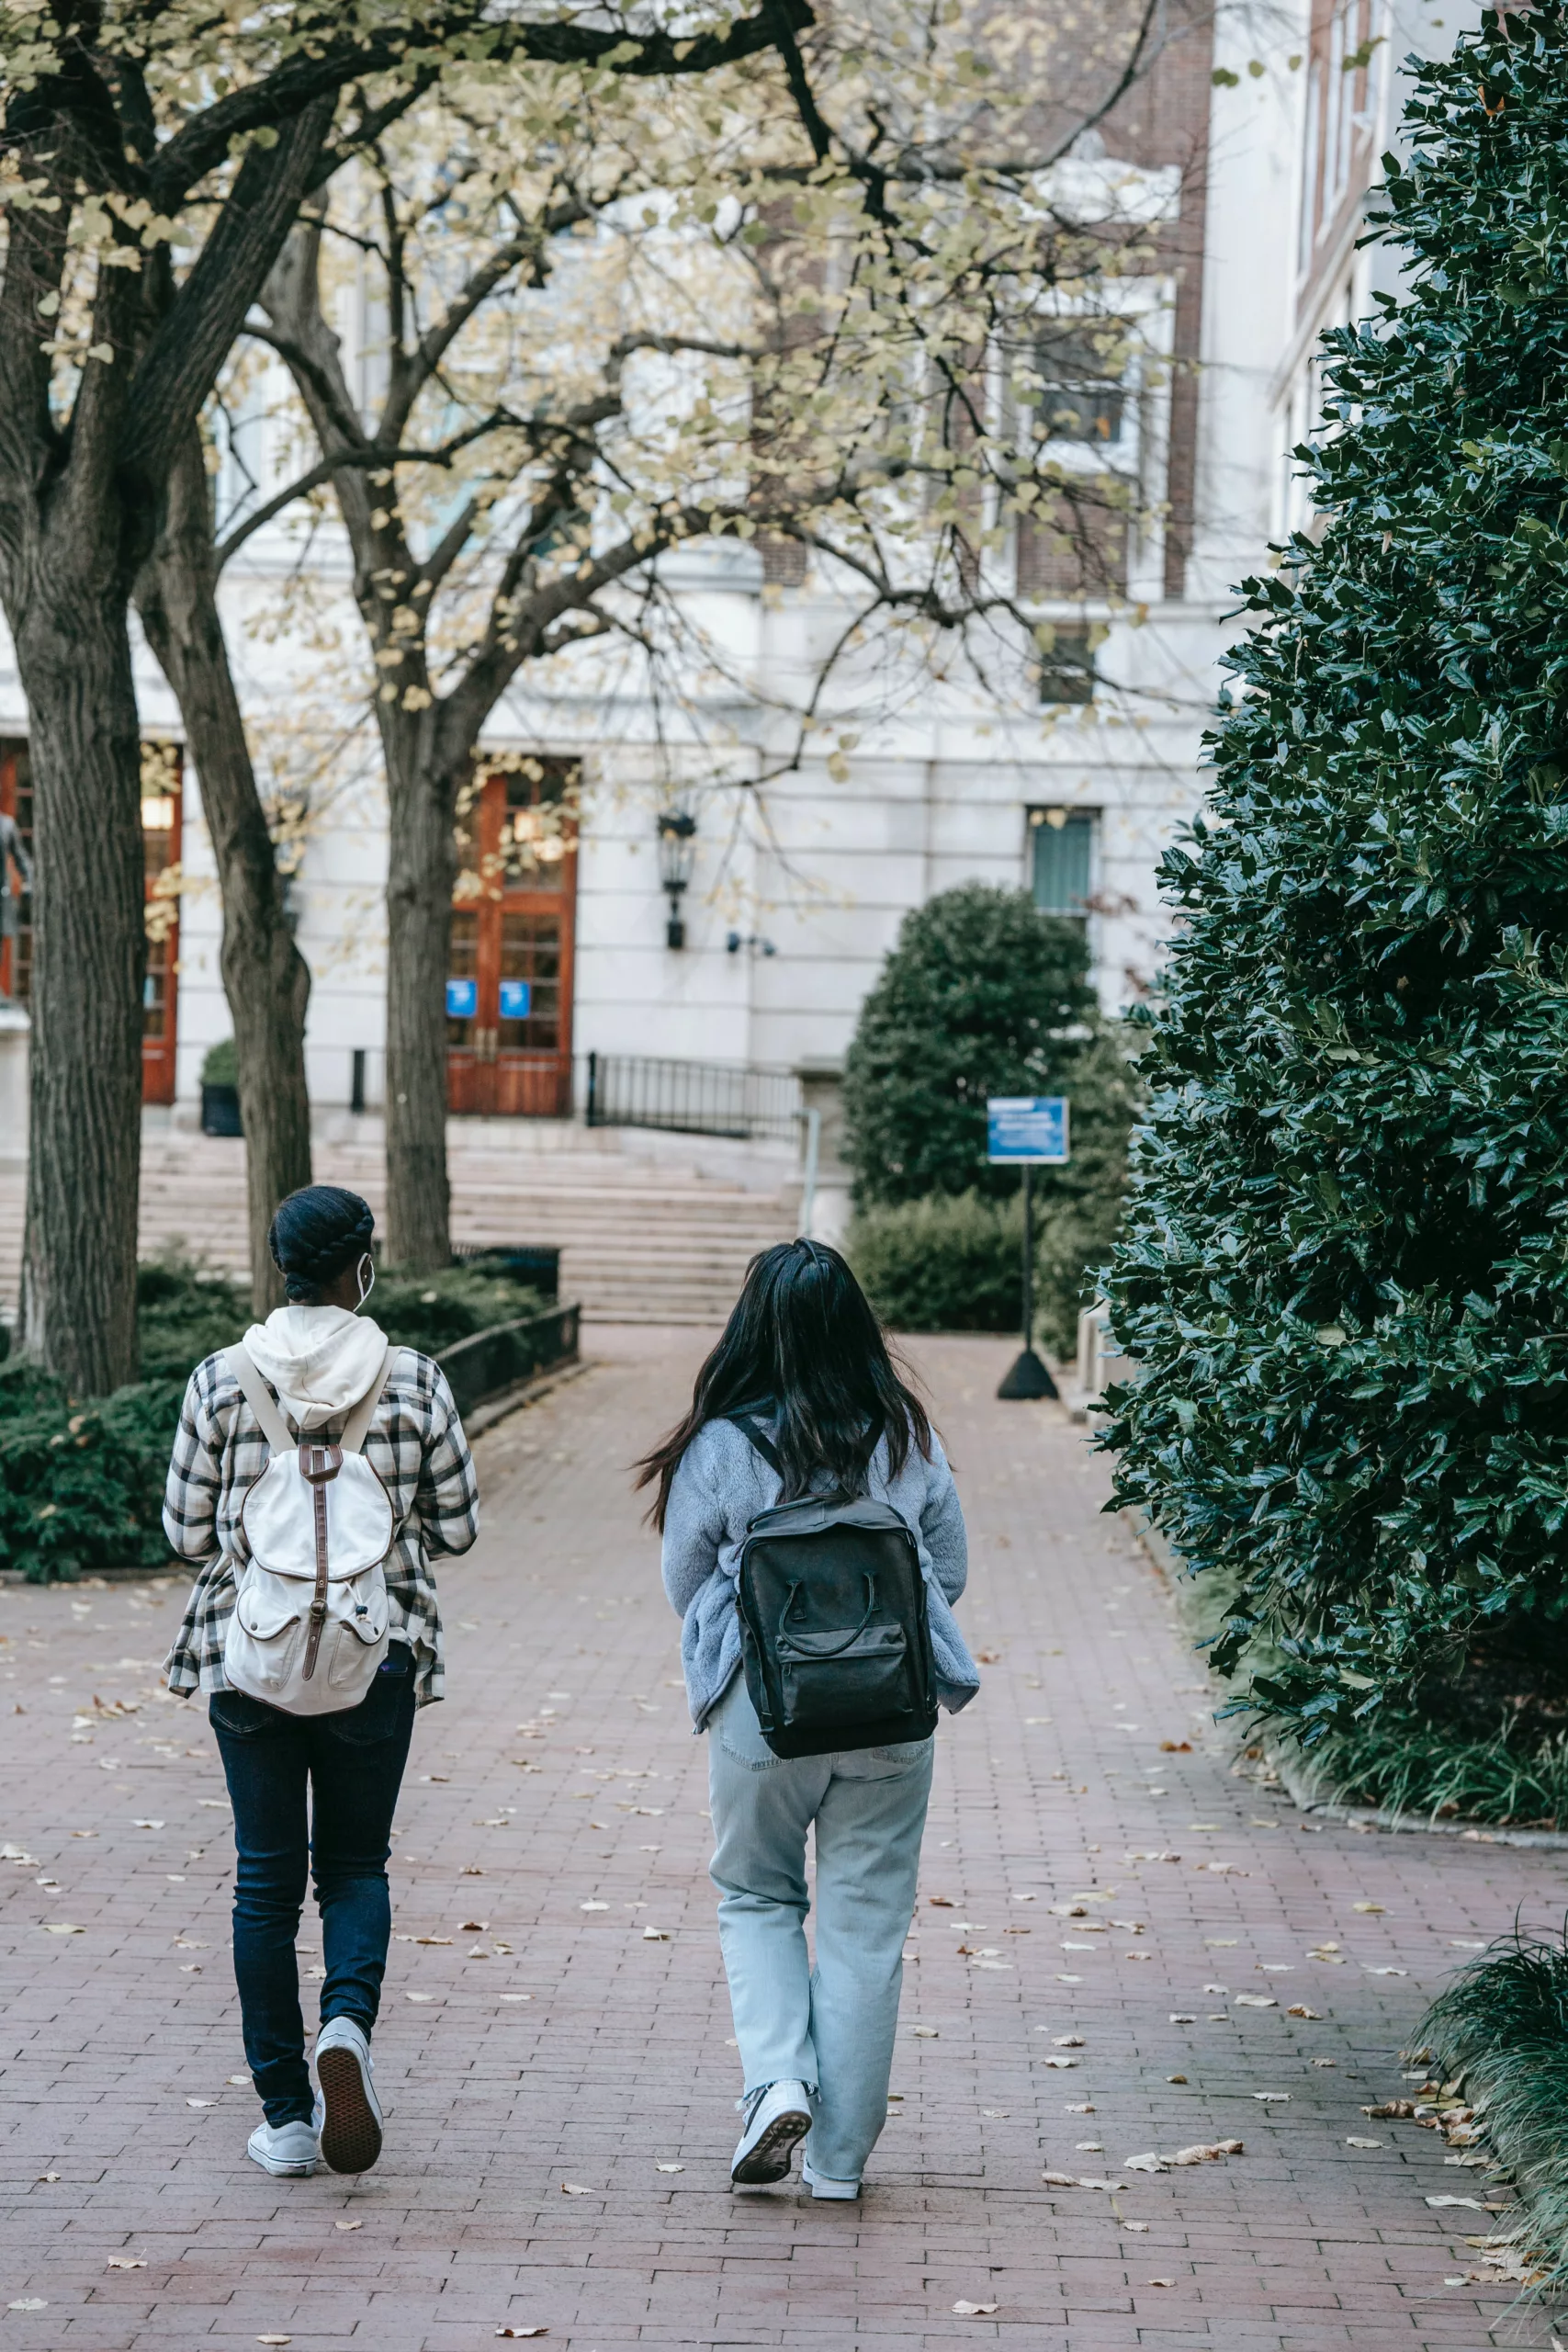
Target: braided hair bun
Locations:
point(316, 1234)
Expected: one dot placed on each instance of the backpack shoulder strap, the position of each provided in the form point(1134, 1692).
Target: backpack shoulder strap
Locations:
point(253, 1388)
point(754, 1430)
point(358, 1425)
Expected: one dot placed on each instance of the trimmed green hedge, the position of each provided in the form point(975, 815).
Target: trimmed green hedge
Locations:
point(82, 1485)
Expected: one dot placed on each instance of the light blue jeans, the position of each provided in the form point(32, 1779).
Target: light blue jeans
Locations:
point(831, 2027)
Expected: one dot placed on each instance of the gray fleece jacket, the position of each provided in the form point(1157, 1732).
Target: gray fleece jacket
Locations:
point(720, 1485)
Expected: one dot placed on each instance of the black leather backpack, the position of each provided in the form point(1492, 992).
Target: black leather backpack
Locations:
point(834, 1633)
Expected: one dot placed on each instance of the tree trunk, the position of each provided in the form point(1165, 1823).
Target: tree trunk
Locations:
point(265, 979)
point(89, 956)
point(420, 871)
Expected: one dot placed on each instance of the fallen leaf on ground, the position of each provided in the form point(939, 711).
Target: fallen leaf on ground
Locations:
point(1391, 2107)
point(656, 1934)
point(1139, 2226)
point(200, 2102)
point(925, 2033)
point(1150, 2163)
point(49, 2176)
point(1159, 2282)
point(1377, 1909)
point(941, 1902)
point(147, 1825)
point(1272, 2097)
point(1068, 2040)
point(1207, 2152)
point(1255, 2001)
point(522, 2331)
point(517, 1996)
point(1384, 1972)
point(62, 1928)
point(1059, 2180)
point(29, 2303)
point(1354, 2141)
point(1051, 2061)
point(419, 1996)
point(275, 2339)
point(592, 1906)
point(574, 2188)
point(238, 2082)
point(348, 2225)
point(127, 2262)
point(1300, 2009)
point(1182, 2016)
point(1473, 2202)
point(975, 2310)
point(669, 2167)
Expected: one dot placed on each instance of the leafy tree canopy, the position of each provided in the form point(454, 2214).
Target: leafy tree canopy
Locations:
point(1345, 1277)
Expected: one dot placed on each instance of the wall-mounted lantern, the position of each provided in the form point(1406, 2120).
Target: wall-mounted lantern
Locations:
point(677, 830)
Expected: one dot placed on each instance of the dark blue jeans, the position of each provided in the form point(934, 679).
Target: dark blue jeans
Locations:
point(351, 1765)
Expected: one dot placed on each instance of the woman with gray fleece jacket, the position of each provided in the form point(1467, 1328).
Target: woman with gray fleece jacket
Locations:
point(803, 1357)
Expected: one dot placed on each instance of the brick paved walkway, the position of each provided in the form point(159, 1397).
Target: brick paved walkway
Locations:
point(556, 2027)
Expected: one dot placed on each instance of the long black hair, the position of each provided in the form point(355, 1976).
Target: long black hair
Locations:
point(802, 1346)
point(317, 1234)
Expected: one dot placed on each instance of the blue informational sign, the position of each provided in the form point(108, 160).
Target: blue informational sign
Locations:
point(462, 999)
point(1026, 1130)
point(514, 1000)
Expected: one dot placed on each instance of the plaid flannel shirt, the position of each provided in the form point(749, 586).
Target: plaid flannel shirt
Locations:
point(416, 1446)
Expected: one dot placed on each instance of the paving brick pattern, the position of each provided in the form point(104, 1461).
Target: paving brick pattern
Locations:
point(556, 2027)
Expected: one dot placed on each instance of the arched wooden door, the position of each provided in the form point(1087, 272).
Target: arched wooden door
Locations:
point(509, 984)
point(161, 791)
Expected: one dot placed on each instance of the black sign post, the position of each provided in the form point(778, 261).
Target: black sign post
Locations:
point(1027, 1131)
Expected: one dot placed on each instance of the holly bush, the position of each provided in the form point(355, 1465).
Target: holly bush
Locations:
point(1345, 1275)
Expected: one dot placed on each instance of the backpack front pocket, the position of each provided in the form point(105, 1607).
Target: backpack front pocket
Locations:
point(833, 1677)
point(265, 1633)
point(358, 1639)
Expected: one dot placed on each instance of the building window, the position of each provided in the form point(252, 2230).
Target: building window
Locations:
point(1082, 366)
point(1067, 672)
point(1062, 850)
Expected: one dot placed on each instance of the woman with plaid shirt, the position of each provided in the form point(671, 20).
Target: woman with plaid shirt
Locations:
point(319, 1357)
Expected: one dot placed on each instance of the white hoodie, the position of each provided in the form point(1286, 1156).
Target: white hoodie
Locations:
point(320, 1360)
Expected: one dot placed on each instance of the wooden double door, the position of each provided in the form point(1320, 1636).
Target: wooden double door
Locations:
point(161, 791)
point(508, 974)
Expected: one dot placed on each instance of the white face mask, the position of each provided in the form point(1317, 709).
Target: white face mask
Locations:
point(367, 1278)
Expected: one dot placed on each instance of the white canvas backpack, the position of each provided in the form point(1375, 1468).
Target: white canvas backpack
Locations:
point(310, 1622)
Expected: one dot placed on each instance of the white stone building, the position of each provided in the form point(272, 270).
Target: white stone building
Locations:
point(1256, 143)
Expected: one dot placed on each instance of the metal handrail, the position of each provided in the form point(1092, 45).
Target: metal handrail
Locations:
point(735, 1099)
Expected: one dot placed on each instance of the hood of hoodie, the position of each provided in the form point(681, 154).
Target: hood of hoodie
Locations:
point(320, 1360)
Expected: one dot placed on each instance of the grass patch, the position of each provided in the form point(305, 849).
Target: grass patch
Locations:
point(1501, 2029)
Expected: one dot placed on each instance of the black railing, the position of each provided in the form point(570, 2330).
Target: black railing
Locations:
point(486, 1365)
point(533, 1265)
point(693, 1098)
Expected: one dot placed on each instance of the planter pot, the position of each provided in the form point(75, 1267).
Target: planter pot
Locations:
point(220, 1110)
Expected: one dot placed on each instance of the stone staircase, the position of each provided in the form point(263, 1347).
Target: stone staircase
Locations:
point(643, 1239)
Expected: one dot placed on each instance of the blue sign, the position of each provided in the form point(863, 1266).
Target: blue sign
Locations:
point(462, 999)
point(515, 998)
point(1026, 1130)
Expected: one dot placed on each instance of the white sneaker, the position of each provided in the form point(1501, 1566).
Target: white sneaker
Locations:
point(348, 2113)
point(776, 2117)
point(284, 2147)
point(824, 2188)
